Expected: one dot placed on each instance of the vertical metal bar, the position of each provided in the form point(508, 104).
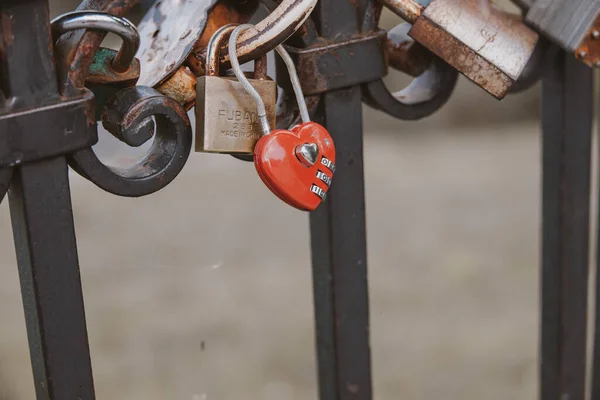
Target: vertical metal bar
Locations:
point(40, 209)
point(595, 374)
point(338, 238)
point(42, 218)
point(567, 126)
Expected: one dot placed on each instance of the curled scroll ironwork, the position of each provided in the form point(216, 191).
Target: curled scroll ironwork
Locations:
point(432, 86)
point(135, 114)
point(137, 106)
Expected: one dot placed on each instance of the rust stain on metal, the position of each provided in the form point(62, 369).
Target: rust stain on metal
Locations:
point(408, 56)
point(499, 37)
point(589, 49)
point(76, 50)
point(101, 71)
point(263, 37)
point(461, 57)
point(320, 66)
point(181, 87)
point(409, 11)
point(7, 35)
point(172, 30)
point(212, 66)
point(132, 115)
point(260, 68)
point(222, 14)
point(90, 109)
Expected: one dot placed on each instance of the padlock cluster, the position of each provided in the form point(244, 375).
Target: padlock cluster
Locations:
point(236, 115)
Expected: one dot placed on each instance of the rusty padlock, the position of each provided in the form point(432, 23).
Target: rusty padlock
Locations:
point(487, 45)
point(104, 80)
point(111, 70)
point(226, 118)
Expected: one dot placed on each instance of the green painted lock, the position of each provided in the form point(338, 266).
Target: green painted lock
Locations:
point(104, 81)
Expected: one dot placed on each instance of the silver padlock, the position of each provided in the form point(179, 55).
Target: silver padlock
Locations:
point(487, 45)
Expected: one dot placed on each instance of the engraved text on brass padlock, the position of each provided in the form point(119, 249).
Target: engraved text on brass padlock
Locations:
point(226, 115)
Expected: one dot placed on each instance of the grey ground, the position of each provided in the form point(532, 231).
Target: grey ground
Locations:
point(202, 291)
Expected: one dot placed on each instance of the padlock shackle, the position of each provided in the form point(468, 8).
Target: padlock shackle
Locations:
point(104, 22)
point(215, 44)
point(213, 47)
point(260, 105)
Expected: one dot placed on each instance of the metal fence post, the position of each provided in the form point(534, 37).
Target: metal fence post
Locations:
point(42, 218)
point(566, 142)
point(338, 238)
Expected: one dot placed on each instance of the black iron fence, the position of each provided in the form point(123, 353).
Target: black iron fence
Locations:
point(48, 124)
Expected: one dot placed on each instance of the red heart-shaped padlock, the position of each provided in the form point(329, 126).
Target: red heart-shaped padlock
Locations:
point(297, 165)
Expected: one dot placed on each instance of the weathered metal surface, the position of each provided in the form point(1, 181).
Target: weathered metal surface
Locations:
point(165, 21)
point(408, 10)
point(564, 22)
point(287, 107)
point(173, 133)
point(404, 54)
point(128, 116)
point(213, 49)
point(181, 87)
point(499, 37)
point(466, 60)
point(69, 125)
point(93, 20)
point(74, 51)
point(487, 45)
point(567, 118)
point(222, 14)
point(168, 33)
point(40, 206)
point(24, 92)
point(182, 84)
point(427, 93)
point(589, 49)
point(325, 66)
point(260, 68)
point(267, 34)
point(101, 72)
point(110, 70)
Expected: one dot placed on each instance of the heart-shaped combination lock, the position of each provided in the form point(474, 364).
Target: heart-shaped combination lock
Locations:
point(297, 165)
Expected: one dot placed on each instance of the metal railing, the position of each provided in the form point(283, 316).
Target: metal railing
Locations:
point(36, 110)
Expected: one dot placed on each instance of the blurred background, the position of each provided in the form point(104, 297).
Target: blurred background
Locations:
point(203, 290)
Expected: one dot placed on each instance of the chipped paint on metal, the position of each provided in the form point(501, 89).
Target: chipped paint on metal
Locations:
point(168, 33)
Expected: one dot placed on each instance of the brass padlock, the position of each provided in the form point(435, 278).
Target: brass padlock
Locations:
point(487, 45)
point(226, 117)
